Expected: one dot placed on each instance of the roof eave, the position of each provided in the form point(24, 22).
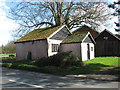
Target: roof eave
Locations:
point(29, 41)
point(71, 42)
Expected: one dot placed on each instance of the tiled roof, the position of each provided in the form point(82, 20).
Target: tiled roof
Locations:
point(39, 34)
point(76, 37)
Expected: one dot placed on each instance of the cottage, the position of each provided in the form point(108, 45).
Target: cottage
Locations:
point(81, 43)
point(49, 41)
point(107, 44)
point(41, 42)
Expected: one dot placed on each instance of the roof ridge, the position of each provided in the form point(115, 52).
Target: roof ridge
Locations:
point(90, 29)
point(109, 33)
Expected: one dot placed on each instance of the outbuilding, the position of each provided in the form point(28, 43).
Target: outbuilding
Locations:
point(81, 43)
point(107, 44)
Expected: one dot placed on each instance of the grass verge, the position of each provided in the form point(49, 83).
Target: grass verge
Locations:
point(97, 64)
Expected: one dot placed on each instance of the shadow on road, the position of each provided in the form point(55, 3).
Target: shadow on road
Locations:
point(46, 80)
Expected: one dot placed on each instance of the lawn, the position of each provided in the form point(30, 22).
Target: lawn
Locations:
point(110, 61)
point(103, 62)
point(90, 66)
point(6, 55)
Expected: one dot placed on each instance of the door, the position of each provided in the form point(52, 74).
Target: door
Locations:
point(88, 51)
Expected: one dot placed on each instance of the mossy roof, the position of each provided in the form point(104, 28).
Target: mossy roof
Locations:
point(85, 28)
point(75, 37)
point(39, 34)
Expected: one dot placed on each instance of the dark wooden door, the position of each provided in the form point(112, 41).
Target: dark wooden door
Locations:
point(88, 51)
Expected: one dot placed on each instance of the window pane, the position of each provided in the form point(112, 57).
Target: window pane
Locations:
point(91, 48)
point(55, 47)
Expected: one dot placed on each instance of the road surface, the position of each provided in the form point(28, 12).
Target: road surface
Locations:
point(20, 78)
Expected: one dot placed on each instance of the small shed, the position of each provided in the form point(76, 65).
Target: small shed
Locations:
point(107, 44)
point(82, 44)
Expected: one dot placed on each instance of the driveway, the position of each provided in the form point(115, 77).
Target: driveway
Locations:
point(20, 78)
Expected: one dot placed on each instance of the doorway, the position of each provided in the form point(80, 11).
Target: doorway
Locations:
point(88, 51)
point(29, 56)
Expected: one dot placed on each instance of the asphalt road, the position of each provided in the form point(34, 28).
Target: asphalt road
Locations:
point(19, 78)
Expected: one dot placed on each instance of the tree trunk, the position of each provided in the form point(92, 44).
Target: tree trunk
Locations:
point(59, 20)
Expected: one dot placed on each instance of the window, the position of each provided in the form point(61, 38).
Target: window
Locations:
point(91, 48)
point(105, 38)
point(55, 47)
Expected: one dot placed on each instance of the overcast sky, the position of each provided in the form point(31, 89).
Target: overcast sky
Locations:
point(7, 25)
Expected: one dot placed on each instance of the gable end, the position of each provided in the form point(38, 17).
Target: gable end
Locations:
point(61, 34)
point(106, 35)
point(88, 39)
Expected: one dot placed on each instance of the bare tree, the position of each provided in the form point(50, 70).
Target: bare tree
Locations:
point(31, 15)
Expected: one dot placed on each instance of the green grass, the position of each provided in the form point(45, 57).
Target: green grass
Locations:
point(96, 64)
point(110, 61)
point(103, 62)
point(3, 54)
point(6, 55)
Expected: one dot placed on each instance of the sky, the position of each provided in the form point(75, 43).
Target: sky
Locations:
point(8, 25)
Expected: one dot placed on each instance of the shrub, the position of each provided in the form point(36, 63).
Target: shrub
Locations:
point(73, 68)
point(50, 69)
point(61, 59)
point(27, 67)
point(8, 65)
point(41, 62)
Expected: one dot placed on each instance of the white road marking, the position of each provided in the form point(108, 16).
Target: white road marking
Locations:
point(27, 84)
